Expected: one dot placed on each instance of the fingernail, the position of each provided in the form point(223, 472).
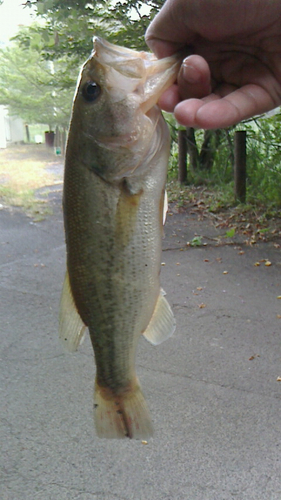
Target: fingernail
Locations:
point(190, 74)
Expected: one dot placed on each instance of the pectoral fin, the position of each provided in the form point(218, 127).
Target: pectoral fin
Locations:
point(71, 326)
point(162, 324)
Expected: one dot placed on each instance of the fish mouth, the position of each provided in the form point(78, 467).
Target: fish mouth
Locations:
point(149, 77)
point(160, 75)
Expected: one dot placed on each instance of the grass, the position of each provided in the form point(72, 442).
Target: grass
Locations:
point(23, 170)
point(214, 198)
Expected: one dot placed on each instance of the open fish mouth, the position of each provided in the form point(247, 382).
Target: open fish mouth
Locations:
point(148, 76)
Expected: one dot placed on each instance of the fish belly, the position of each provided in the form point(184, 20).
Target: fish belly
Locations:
point(113, 242)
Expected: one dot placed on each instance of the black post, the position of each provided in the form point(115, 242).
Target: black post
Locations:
point(27, 132)
point(182, 145)
point(240, 165)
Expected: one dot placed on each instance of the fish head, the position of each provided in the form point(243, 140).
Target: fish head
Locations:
point(115, 114)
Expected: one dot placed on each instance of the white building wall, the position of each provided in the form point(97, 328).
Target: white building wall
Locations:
point(3, 140)
point(11, 128)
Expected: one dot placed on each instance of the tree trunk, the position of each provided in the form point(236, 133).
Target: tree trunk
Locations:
point(182, 164)
point(63, 141)
point(210, 144)
point(27, 133)
point(192, 149)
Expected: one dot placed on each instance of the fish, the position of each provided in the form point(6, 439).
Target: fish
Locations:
point(113, 199)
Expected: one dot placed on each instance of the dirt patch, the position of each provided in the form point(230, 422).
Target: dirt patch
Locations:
point(235, 223)
point(24, 169)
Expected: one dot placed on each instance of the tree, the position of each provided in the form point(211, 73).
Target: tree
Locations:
point(70, 25)
point(39, 72)
point(32, 87)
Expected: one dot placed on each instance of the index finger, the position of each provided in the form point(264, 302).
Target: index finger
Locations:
point(215, 112)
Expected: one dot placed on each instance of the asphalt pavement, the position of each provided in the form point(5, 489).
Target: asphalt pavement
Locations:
point(212, 389)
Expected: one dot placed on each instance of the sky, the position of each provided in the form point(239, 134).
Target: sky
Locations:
point(12, 14)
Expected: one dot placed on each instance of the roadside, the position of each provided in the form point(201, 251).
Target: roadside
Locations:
point(29, 174)
point(213, 389)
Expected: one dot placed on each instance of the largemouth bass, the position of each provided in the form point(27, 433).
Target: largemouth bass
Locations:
point(114, 181)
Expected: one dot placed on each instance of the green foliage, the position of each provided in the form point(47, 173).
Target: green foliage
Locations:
point(263, 162)
point(47, 55)
point(230, 233)
point(33, 88)
point(69, 26)
point(196, 241)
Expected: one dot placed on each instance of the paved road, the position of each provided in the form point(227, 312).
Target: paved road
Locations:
point(212, 388)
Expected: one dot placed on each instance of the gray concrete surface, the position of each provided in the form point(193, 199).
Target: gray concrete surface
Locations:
point(212, 389)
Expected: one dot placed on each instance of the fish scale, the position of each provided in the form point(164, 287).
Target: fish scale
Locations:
point(113, 215)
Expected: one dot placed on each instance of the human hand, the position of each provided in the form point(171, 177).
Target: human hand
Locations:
point(234, 71)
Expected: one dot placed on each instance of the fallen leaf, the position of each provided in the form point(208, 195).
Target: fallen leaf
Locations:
point(241, 252)
point(278, 316)
point(268, 263)
point(254, 356)
point(257, 264)
point(201, 306)
point(206, 260)
point(230, 233)
point(144, 442)
point(163, 263)
point(225, 272)
point(279, 297)
point(278, 379)
point(199, 288)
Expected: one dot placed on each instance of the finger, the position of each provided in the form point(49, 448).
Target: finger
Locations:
point(223, 112)
point(163, 49)
point(194, 78)
point(193, 81)
point(167, 33)
point(169, 99)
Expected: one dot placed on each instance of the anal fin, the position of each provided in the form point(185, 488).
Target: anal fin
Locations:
point(162, 324)
point(71, 326)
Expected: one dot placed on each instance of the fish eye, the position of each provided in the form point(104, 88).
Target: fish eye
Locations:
point(91, 91)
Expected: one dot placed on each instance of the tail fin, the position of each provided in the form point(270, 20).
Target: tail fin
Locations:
point(123, 415)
